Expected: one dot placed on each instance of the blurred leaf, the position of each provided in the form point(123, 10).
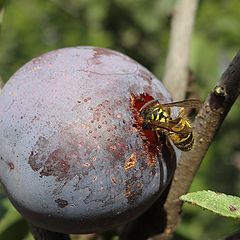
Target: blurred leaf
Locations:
point(12, 225)
point(3, 208)
point(2, 2)
point(3, 211)
point(29, 237)
point(220, 203)
point(17, 230)
point(1, 13)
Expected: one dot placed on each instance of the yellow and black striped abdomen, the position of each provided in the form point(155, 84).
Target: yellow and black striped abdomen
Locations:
point(183, 143)
point(183, 135)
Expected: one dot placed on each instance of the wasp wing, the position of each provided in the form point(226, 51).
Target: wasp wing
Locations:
point(168, 126)
point(187, 103)
point(189, 108)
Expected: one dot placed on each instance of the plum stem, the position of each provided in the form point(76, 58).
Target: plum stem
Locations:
point(43, 234)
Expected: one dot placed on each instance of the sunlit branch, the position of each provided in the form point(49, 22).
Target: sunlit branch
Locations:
point(176, 70)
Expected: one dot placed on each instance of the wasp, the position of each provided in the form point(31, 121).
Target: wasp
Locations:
point(159, 118)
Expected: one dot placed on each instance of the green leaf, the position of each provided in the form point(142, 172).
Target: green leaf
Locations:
point(18, 230)
point(220, 203)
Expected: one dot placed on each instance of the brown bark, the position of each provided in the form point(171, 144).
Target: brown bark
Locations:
point(206, 125)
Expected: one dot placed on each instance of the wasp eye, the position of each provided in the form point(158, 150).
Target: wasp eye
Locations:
point(145, 126)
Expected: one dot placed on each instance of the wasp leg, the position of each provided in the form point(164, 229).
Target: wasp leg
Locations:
point(158, 134)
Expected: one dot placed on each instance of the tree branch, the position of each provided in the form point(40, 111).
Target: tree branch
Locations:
point(207, 123)
point(176, 70)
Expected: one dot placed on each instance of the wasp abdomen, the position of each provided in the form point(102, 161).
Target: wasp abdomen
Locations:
point(184, 144)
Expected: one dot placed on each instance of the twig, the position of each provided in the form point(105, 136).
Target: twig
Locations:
point(42, 234)
point(207, 123)
point(2, 4)
point(176, 69)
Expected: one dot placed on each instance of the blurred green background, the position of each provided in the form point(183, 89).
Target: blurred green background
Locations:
point(139, 29)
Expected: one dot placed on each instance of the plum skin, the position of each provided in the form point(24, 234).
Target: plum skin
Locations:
point(72, 159)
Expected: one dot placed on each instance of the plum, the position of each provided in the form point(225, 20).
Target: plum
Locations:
point(74, 157)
